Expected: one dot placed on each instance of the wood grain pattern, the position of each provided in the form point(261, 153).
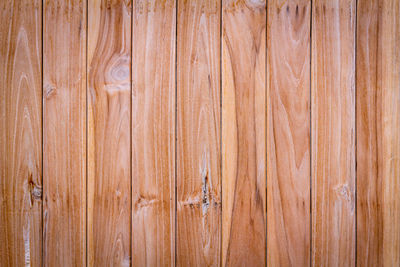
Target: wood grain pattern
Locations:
point(333, 133)
point(378, 133)
point(198, 134)
point(64, 133)
point(243, 133)
point(153, 133)
point(20, 133)
point(288, 133)
point(109, 117)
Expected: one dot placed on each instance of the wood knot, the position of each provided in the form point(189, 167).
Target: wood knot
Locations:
point(205, 192)
point(344, 193)
point(120, 72)
point(49, 90)
point(35, 191)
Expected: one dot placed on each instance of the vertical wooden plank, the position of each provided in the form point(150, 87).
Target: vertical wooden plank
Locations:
point(243, 133)
point(64, 133)
point(153, 133)
point(288, 133)
point(109, 153)
point(333, 132)
point(198, 133)
point(20, 133)
point(378, 133)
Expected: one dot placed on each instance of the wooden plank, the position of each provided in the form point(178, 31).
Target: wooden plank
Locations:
point(288, 133)
point(20, 133)
point(153, 133)
point(109, 122)
point(243, 133)
point(64, 133)
point(378, 133)
point(333, 132)
point(198, 134)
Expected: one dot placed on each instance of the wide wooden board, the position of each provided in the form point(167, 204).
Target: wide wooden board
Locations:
point(198, 134)
point(109, 132)
point(243, 133)
point(20, 133)
point(64, 133)
point(378, 133)
point(153, 133)
point(288, 133)
point(333, 132)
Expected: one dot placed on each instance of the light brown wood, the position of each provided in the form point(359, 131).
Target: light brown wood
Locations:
point(153, 133)
point(243, 133)
point(109, 122)
point(378, 133)
point(198, 134)
point(64, 133)
point(288, 133)
point(20, 133)
point(333, 132)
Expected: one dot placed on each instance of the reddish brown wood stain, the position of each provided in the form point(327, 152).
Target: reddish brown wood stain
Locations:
point(199, 133)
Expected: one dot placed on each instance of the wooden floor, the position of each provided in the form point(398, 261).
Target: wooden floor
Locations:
point(199, 133)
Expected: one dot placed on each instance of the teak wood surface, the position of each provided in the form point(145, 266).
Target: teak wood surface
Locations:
point(64, 133)
point(288, 133)
point(200, 133)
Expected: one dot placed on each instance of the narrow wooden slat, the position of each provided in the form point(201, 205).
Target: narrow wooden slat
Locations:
point(109, 152)
point(153, 133)
point(243, 133)
point(64, 133)
point(20, 133)
point(333, 132)
point(198, 134)
point(378, 133)
point(288, 133)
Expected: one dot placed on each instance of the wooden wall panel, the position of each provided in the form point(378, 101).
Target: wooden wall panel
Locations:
point(378, 133)
point(64, 133)
point(243, 133)
point(153, 133)
point(333, 132)
point(288, 133)
point(20, 133)
point(109, 132)
point(198, 134)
